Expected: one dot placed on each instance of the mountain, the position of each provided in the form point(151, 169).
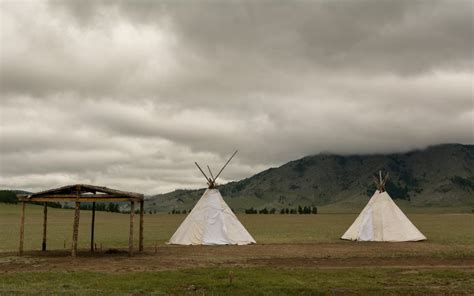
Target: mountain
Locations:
point(438, 176)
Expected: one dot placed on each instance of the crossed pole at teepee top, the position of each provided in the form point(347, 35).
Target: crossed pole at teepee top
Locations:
point(211, 182)
point(380, 182)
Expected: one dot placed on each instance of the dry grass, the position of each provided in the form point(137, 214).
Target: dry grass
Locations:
point(295, 255)
point(112, 229)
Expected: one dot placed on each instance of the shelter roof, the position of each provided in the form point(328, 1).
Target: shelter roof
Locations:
point(82, 193)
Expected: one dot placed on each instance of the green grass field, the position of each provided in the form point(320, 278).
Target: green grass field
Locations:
point(112, 229)
point(248, 281)
point(287, 243)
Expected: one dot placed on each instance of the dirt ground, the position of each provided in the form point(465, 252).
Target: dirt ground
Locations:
point(320, 255)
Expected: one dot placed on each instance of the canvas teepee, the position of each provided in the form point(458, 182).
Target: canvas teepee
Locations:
point(211, 221)
point(382, 220)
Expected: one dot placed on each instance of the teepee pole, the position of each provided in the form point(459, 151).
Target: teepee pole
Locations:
point(225, 165)
point(376, 182)
point(385, 179)
point(210, 172)
point(205, 176)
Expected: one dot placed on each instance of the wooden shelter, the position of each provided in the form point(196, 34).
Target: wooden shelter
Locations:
point(83, 193)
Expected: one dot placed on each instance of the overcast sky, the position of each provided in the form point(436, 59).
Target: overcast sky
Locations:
point(128, 94)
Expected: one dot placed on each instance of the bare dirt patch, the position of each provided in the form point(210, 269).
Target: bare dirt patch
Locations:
point(320, 255)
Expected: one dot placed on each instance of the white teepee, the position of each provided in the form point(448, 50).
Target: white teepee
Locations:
point(211, 221)
point(382, 220)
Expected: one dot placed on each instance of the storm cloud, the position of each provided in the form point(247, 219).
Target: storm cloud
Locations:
point(128, 94)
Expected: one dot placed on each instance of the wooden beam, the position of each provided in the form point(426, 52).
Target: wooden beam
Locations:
point(87, 188)
point(75, 230)
point(82, 196)
point(112, 191)
point(45, 225)
point(92, 227)
point(140, 235)
point(130, 238)
point(72, 199)
point(22, 227)
point(73, 195)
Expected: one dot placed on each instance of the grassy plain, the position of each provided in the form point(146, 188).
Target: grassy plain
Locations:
point(112, 229)
point(246, 281)
point(295, 254)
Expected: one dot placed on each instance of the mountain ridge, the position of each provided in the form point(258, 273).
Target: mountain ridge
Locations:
point(440, 175)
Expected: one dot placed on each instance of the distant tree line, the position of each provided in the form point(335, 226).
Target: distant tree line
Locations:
point(8, 196)
point(177, 212)
point(262, 211)
point(102, 207)
point(50, 204)
point(174, 211)
point(300, 210)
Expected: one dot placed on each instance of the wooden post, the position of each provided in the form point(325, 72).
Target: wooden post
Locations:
point(45, 223)
point(130, 238)
point(140, 237)
point(92, 226)
point(22, 226)
point(75, 231)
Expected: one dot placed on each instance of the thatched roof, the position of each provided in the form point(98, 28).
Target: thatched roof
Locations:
point(82, 193)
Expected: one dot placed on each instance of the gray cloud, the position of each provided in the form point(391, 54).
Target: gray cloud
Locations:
point(129, 93)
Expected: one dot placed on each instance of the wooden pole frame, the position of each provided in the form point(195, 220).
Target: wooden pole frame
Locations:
point(77, 194)
point(130, 238)
point(92, 226)
point(75, 231)
point(22, 227)
point(45, 225)
point(140, 234)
